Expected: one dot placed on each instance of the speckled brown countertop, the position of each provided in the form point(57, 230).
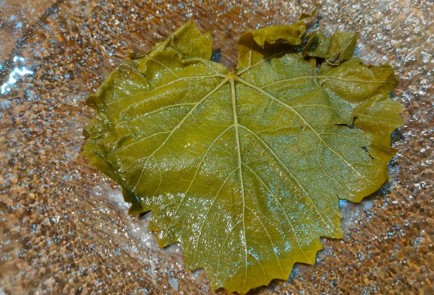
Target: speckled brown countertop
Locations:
point(63, 225)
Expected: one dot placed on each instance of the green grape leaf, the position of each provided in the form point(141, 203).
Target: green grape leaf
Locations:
point(245, 168)
point(334, 50)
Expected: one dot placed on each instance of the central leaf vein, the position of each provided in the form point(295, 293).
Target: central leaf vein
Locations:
point(237, 140)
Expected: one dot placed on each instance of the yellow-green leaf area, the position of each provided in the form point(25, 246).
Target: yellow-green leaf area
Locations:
point(244, 167)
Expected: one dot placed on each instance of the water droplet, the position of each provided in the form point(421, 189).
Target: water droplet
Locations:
point(174, 283)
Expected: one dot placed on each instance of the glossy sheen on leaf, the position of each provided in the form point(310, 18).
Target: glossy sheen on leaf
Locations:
point(245, 168)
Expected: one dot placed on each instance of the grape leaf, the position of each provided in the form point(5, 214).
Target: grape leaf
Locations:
point(245, 167)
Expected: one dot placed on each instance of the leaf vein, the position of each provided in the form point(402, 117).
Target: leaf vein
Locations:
point(197, 170)
point(209, 209)
point(288, 172)
point(269, 237)
point(281, 207)
point(237, 140)
point(307, 124)
point(176, 127)
point(168, 84)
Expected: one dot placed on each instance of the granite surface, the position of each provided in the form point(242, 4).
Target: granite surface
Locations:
point(64, 227)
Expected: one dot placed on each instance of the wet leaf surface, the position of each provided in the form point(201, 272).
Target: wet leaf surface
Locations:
point(245, 167)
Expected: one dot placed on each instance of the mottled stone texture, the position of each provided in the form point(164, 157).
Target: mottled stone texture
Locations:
point(63, 225)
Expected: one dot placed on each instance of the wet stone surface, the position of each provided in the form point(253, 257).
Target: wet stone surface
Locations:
point(64, 227)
